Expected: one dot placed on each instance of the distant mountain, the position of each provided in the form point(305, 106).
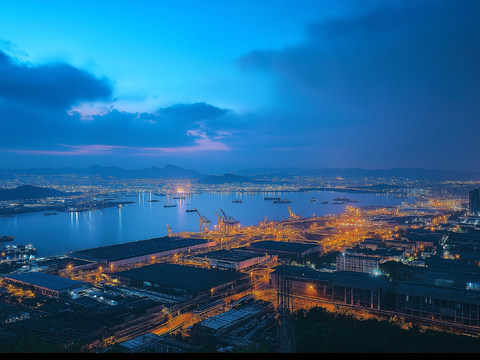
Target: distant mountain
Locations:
point(226, 178)
point(409, 173)
point(169, 171)
point(31, 192)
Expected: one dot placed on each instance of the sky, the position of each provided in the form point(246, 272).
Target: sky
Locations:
point(220, 86)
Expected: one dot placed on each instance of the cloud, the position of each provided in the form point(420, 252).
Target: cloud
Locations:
point(56, 109)
point(190, 113)
point(398, 78)
point(55, 85)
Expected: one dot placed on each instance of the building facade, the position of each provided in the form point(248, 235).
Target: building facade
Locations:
point(357, 263)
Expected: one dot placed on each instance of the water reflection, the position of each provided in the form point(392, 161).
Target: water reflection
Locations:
point(136, 221)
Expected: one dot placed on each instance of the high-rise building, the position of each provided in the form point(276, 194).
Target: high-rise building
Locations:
point(474, 203)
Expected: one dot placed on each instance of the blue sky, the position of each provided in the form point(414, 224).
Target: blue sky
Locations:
point(219, 86)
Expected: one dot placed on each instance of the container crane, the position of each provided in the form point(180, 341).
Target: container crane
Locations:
point(229, 221)
point(203, 221)
point(292, 215)
point(220, 222)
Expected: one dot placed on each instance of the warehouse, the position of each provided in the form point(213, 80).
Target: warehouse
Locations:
point(234, 259)
point(141, 251)
point(181, 280)
point(45, 284)
point(280, 248)
point(232, 319)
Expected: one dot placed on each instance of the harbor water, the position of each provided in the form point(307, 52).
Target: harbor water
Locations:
point(145, 219)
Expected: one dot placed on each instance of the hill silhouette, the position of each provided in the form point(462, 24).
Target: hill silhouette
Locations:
point(226, 178)
point(32, 192)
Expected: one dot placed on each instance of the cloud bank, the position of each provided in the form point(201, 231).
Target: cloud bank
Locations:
point(395, 83)
point(42, 112)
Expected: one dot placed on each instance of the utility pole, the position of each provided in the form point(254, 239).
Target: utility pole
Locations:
point(285, 325)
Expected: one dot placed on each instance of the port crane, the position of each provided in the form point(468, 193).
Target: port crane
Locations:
point(203, 221)
point(230, 222)
point(220, 222)
point(292, 215)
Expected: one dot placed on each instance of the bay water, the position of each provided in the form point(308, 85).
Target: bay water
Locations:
point(68, 231)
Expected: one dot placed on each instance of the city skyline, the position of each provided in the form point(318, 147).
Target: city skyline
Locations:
point(216, 87)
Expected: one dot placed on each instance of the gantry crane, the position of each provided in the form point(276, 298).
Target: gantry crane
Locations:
point(292, 215)
point(203, 221)
point(220, 221)
point(230, 222)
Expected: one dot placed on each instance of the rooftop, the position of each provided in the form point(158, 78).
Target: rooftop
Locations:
point(291, 247)
point(138, 248)
point(188, 278)
point(47, 281)
point(230, 255)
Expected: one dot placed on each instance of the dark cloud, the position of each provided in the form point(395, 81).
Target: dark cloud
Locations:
point(189, 113)
point(55, 85)
point(41, 112)
point(393, 83)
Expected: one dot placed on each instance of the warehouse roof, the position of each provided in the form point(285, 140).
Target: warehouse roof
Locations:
point(188, 278)
point(291, 247)
point(47, 281)
point(230, 255)
point(138, 248)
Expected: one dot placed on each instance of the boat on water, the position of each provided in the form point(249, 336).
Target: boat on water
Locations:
point(313, 199)
point(271, 198)
point(236, 201)
point(17, 251)
point(338, 202)
point(169, 205)
point(153, 200)
point(191, 210)
point(52, 213)
point(344, 199)
point(284, 201)
point(5, 216)
point(6, 238)
point(160, 194)
point(324, 202)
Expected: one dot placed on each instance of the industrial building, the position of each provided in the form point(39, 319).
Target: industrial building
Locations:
point(433, 302)
point(181, 280)
point(474, 201)
point(223, 323)
point(369, 291)
point(141, 251)
point(233, 259)
point(357, 263)
point(45, 284)
point(63, 264)
point(280, 248)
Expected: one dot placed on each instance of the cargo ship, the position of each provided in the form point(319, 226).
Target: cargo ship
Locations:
point(284, 201)
point(272, 198)
point(344, 199)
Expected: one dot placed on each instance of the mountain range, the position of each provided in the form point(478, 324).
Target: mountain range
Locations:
point(259, 174)
point(227, 178)
point(409, 173)
point(169, 171)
